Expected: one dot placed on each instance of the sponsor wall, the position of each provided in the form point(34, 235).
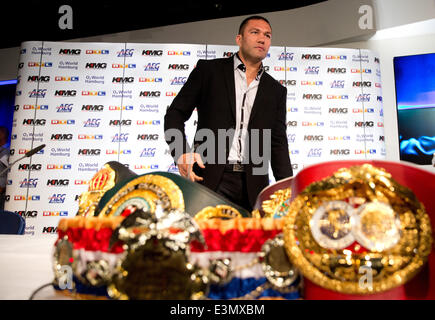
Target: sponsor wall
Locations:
point(91, 103)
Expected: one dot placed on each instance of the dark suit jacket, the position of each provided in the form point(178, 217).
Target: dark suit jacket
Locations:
point(211, 89)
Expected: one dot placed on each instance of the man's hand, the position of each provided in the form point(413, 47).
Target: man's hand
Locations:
point(185, 163)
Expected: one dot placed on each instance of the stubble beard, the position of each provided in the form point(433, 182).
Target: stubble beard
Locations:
point(252, 58)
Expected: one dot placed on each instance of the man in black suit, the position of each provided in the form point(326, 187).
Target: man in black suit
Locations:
point(233, 96)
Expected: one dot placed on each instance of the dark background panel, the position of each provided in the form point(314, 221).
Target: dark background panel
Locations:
point(38, 20)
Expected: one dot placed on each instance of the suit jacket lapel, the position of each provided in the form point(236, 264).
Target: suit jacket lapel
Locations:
point(261, 93)
point(229, 81)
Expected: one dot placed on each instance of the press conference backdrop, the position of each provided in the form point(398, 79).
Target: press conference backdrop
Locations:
point(91, 103)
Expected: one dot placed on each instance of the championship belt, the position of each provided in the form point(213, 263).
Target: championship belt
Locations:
point(173, 190)
point(169, 255)
point(101, 183)
point(274, 200)
point(248, 259)
point(362, 230)
point(131, 237)
point(136, 255)
point(155, 263)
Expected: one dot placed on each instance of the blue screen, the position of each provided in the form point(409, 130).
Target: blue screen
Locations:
point(7, 99)
point(415, 100)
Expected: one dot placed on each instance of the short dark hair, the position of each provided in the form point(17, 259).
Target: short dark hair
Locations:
point(244, 22)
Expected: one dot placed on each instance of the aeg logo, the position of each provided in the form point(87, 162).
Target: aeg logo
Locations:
point(92, 123)
point(337, 84)
point(120, 137)
point(65, 107)
point(29, 183)
point(363, 97)
point(315, 152)
point(125, 53)
point(57, 198)
point(152, 67)
point(38, 93)
point(148, 152)
point(312, 70)
point(286, 56)
point(178, 81)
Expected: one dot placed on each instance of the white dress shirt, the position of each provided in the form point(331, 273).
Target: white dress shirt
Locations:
point(245, 97)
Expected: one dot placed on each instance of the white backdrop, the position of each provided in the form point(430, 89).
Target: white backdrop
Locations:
point(91, 103)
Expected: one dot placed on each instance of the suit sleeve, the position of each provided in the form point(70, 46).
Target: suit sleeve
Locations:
point(180, 111)
point(280, 158)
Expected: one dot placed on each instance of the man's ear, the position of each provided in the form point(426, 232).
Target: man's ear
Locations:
point(238, 39)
